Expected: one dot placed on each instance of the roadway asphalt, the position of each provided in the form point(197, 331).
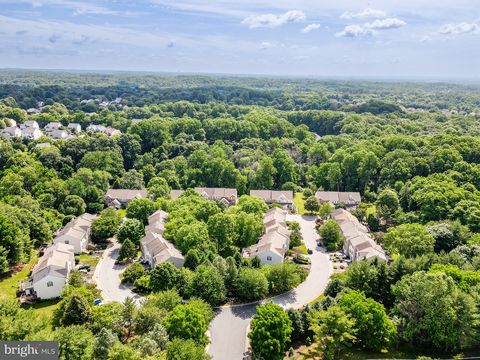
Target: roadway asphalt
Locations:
point(107, 277)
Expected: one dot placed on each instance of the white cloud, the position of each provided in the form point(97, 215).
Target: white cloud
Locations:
point(355, 31)
point(369, 29)
point(367, 13)
point(310, 27)
point(271, 20)
point(265, 45)
point(460, 28)
point(390, 23)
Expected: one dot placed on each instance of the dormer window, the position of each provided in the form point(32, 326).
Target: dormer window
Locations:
point(49, 283)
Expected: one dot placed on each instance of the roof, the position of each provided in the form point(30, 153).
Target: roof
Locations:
point(336, 197)
point(217, 193)
point(77, 227)
point(153, 241)
point(174, 194)
point(126, 194)
point(276, 237)
point(357, 235)
point(57, 260)
point(73, 125)
point(274, 196)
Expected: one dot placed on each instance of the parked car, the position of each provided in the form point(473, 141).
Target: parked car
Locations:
point(84, 267)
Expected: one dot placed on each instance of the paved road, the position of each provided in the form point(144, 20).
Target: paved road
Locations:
point(107, 277)
point(228, 329)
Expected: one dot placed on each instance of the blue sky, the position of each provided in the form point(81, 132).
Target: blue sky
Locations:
point(340, 38)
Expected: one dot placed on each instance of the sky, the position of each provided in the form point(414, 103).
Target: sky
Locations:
point(340, 38)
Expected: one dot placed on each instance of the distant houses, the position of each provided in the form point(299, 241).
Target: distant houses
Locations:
point(11, 132)
point(358, 243)
point(349, 199)
point(74, 128)
point(225, 195)
point(50, 274)
point(155, 249)
point(280, 197)
point(119, 198)
point(76, 233)
point(274, 243)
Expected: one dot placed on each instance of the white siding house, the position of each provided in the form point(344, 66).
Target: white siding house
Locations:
point(274, 244)
point(155, 249)
point(50, 275)
point(76, 233)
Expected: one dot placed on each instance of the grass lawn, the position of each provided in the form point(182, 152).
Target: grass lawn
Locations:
point(9, 284)
point(45, 308)
point(302, 249)
point(299, 202)
point(88, 259)
point(122, 213)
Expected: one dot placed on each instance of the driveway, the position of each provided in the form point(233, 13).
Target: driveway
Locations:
point(107, 277)
point(228, 329)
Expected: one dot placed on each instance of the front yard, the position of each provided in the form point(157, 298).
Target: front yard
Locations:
point(299, 202)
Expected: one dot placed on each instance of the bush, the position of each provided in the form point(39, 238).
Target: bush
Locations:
point(132, 273)
point(252, 284)
point(284, 277)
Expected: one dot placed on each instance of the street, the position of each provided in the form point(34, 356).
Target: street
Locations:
point(107, 277)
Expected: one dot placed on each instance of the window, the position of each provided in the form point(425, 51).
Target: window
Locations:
point(269, 258)
point(67, 242)
point(49, 283)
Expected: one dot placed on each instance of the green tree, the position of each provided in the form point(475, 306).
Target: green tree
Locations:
point(326, 209)
point(409, 240)
point(312, 205)
point(132, 273)
point(74, 310)
point(180, 349)
point(132, 179)
point(121, 351)
point(187, 322)
point(334, 330)
point(104, 341)
point(264, 176)
point(375, 331)
point(432, 311)
point(131, 229)
point(164, 276)
point(283, 277)
point(127, 251)
point(141, 209)
point(221, 229)
point(387, 204)
point(252, 284)
point(74, 342)
point(106, 225)
point(73, 205)
point(331, 235)
point(270, 332)
point(208, 284)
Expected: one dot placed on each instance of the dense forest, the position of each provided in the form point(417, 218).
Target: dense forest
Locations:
point(411, 149)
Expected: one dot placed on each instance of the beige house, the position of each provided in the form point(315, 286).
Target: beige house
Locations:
point(225, 195)
point(11, 132)
point(358, 243)
point(118, 198)
point(349, 199)
point(50, 274)
point(155, 249)
point(274, 243)
point(281, 197)
point(76, 233)
point(175, 194)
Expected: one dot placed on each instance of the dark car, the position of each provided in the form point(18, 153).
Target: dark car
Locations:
point(84, 267)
